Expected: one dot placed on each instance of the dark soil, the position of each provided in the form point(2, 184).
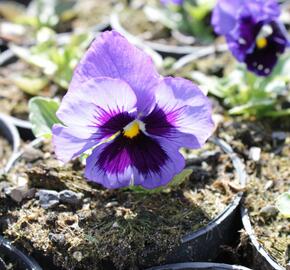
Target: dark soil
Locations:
point(116, 229)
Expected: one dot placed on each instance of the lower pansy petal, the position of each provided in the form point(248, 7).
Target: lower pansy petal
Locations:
point(173, 165)
point(126, 161)
point(182, 114)
point(262, 60)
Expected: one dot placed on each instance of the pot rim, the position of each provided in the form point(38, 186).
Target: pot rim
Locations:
point(12, 135)
point(254, 241)
point(17, 255)
point(199, 265)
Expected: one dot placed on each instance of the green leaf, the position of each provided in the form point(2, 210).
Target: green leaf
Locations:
point(180, 178)
point(42, 115)
point(283, 204)
point(173, 184)
point(31, 86)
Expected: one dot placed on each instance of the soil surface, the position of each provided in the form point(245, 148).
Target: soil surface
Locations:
point(269, 177)
point(115, 229)
point(91, 13)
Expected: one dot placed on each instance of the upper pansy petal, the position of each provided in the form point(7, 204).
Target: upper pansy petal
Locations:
point(100, 103)
point(182, 114)
point(139, 161)
point(262, 10)
point(224, 15)
point(111, 55)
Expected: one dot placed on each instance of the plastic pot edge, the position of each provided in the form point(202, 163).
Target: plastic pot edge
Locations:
point(258, 248)
point(12, 135)
point(28, 262)
point(198, 265)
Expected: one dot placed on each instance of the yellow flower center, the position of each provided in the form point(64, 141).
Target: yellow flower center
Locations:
point(132, 130)
point(261, 43)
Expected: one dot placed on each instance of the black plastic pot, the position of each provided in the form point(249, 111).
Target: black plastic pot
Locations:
point(9, 253)
point(7, 250)
point(261, 258)
point(199, 266)
point(8, 131)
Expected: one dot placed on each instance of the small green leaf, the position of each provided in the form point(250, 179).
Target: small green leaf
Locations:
point(31, 86)
point(180, 178)
point(42, 115)
point(174, 183)
point(283, 204)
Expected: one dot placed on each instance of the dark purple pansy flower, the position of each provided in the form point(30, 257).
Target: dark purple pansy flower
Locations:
point(174, 2)
point(253, 32)
point(134, 119)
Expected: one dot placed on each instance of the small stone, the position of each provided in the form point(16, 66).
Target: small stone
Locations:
point(31, 154)
point(279, 135)
point(255, 153)
point(111, 204)
point(18, 194)
point(70, 197)
point(115, 225)
point(57, 238)
point(269, 184)
point(77, 255)
point(48, 198)
point(269, 211)
point(4, 185)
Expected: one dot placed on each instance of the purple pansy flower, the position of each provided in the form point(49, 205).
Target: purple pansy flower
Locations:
point(175, 2)
point(253, 32)
point(134, 119)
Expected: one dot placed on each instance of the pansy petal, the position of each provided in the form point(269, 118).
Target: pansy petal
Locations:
point(111, 55)
point(96, 113)
point(101, 103)
point(124, 161)
point(182, 114)
point(224, 15)
point(68, 142)
point(262, 61)
point(172, 166)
